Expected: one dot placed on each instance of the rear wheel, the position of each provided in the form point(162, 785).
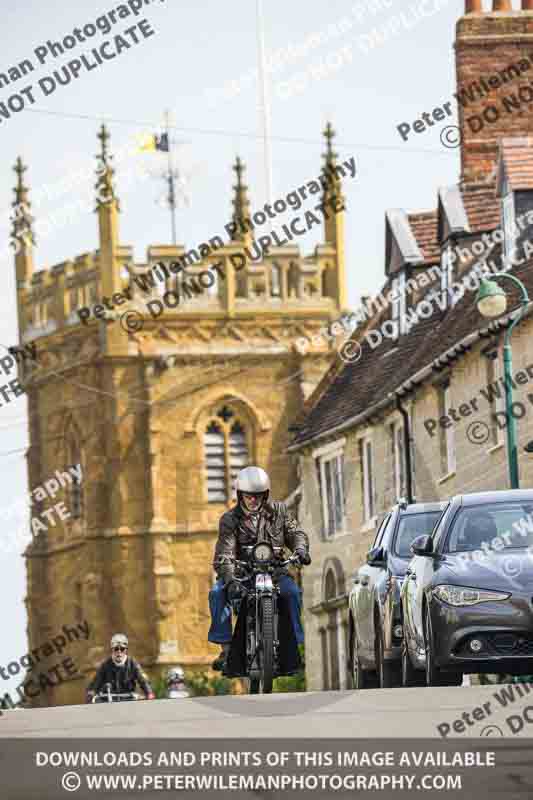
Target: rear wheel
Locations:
point(267, 645)
point(389, 672)
point(362, 679)
point(435, 676)
point(410, 675)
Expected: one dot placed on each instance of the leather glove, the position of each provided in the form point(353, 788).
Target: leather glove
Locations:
point(233, 591)
point(303, 556)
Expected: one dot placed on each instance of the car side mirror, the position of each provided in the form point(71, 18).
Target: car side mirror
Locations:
point(376, 557)
point(422, 546)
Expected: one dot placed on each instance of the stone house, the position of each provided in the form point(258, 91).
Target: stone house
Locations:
point(413, 404)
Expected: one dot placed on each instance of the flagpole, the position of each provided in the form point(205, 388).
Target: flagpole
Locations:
point(265, 106)
point(170, 180)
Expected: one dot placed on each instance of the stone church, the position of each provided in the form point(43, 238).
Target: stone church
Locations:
point(161, 419)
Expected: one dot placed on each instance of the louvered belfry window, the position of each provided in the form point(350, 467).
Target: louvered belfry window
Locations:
point(226, 453)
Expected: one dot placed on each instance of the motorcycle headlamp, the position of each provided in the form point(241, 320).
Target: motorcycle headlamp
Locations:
point(263, 552)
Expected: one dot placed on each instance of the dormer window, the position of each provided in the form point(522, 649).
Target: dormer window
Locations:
point(509, 225)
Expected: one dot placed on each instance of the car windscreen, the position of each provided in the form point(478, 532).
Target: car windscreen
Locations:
point(491, 528)
point(411, 526)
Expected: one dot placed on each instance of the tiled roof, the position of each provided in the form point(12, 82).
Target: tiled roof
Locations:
point(516, 158)
point(482, 206)
point(359, 386)
point(424, 227)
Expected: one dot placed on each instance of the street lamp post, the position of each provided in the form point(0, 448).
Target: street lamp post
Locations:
point(491, 302)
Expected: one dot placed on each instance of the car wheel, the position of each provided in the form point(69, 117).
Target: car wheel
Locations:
point(389, 672)
point(435, 676)
point(362, 679)
point(410, 675)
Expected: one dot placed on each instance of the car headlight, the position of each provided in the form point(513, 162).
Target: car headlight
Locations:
point(465, 596)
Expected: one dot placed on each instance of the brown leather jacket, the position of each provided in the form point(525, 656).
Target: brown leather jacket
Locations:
point(275, 525)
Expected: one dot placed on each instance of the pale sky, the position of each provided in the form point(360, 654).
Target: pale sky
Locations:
point(199, 50)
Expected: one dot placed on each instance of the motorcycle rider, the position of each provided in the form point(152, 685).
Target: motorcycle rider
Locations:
point(253, 519)
point(176, 687)
point(121, 671)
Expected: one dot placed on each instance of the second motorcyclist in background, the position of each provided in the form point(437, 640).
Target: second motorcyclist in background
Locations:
point(121, 671)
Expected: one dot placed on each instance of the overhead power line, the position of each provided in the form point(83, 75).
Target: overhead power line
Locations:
point(244, 134)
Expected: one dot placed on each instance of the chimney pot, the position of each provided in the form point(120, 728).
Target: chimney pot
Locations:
point(502, 5)
point(474, 6)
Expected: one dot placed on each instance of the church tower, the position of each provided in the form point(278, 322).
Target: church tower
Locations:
point(160, 415)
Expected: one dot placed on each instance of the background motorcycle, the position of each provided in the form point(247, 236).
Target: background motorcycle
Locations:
point(107, 696)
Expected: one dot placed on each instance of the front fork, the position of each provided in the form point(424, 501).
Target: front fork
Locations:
point(264, 587)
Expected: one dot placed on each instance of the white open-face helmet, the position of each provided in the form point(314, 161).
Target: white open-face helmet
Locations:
point(119, 656)
point(253, 480)
point(175, 675)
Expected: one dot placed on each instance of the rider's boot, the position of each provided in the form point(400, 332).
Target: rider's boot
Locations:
point(219, 662)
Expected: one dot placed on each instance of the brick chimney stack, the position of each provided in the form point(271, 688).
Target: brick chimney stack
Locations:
point(494, 64)
point(473, 6)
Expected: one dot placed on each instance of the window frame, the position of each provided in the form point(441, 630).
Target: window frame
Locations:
point(225, 428)
point(333, 523)
point(367, 480)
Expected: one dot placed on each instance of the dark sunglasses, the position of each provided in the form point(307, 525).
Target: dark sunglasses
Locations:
point(120, 649)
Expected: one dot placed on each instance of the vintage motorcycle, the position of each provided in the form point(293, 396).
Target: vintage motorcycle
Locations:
point(107, 696)
point(255, 651)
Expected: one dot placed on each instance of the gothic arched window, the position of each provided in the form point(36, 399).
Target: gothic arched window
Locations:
point(226, 452)
point(73, 469)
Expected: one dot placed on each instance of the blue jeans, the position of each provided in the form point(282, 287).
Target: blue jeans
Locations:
point(220, 631)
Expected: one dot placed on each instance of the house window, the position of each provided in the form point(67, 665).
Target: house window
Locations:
point(509, 225)
point(396, 433)
point(367, 479)
point(496, 393)
point(399, 305)
point(331, 474)
point(446, 434)
point(226, 453)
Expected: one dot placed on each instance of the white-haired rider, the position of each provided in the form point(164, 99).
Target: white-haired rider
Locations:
point(121, 671)
point(254, 517)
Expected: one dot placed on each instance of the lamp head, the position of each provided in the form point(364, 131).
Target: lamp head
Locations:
point(491, 300)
